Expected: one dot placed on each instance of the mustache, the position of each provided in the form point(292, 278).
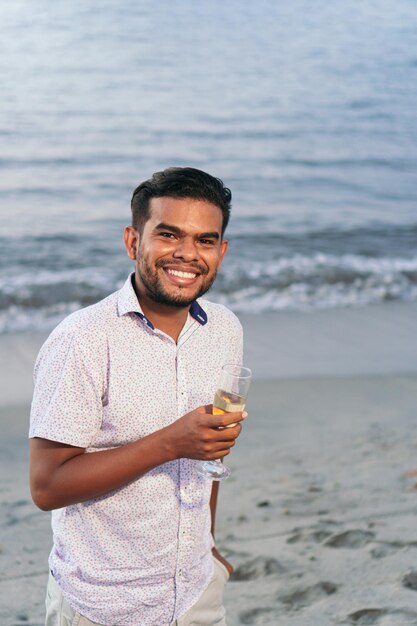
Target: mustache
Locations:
point(190, 266)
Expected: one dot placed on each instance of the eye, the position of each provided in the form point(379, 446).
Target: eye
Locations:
point(167, 235)
point(207, 242)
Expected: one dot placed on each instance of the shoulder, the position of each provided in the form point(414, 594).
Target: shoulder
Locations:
point(87, 327)
point(220, 315)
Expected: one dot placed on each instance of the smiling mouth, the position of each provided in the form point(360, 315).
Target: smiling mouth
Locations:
point(181, 278)
point(181, 274)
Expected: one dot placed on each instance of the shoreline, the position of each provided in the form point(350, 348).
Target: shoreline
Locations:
point(377, 339)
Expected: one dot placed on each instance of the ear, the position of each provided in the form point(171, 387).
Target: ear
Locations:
point(131, 239)
point(223, 249)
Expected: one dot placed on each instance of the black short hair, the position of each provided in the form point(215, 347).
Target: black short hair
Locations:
point(180, 182)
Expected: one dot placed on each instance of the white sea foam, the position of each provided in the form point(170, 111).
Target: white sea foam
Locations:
point(13, 282)
point(299, 282)
point(18, 319)
point(303, 265)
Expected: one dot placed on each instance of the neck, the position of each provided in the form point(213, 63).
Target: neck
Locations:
point(169, 319)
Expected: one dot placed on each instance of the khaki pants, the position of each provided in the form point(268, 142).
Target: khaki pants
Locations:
point(207, 611)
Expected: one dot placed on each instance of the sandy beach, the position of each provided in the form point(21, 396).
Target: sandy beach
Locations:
point(319, 515)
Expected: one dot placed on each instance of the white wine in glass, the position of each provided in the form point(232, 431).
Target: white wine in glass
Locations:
point(230, 397)
point(227, 402)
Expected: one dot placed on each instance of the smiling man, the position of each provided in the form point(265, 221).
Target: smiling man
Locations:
point(121, 418)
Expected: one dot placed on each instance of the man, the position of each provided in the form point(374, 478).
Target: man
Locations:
point(121, 418)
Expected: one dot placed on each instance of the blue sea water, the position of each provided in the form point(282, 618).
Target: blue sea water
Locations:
point(306, 110)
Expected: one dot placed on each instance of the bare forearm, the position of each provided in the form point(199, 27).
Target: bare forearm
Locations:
point(61, 474)
point(90, 475)
point(213, 505)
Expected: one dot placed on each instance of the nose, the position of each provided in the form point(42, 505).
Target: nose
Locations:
point(186, 250)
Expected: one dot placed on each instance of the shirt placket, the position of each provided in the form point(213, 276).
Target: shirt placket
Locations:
point(185, 536)
point(181, 408)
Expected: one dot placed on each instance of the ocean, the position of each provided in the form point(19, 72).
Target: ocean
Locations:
point(306, 110)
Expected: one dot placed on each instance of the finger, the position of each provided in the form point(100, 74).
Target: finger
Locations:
point(219, 454)
point(226, 445)
point(226, 419)
point(244, 416)
point(228, 433)
point(215, 447)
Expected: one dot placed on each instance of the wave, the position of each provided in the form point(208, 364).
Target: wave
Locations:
point(40, 300)
point(318, 281)
point(44, 278)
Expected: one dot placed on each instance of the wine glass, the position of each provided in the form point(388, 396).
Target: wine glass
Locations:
point(230, 397)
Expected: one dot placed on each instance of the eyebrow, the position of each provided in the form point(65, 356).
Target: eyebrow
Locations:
point(178, 231)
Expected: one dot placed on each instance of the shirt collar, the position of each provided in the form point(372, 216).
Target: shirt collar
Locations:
point(198, 313)
point(127, 302)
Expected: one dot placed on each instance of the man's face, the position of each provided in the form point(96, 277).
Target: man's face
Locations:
point(179, 251)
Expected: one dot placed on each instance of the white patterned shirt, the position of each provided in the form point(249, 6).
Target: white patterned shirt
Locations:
point(141, 555)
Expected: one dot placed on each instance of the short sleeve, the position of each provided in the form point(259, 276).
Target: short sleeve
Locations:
point(69, 386)
point(236, 344)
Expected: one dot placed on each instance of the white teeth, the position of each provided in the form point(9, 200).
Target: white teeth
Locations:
point(181, 274)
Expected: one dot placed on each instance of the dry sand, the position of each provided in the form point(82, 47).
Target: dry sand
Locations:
point(318, 516)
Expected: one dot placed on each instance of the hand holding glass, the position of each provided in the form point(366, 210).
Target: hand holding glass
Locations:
point(230, 397)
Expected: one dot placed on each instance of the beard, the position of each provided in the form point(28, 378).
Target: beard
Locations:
point(156, 291)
